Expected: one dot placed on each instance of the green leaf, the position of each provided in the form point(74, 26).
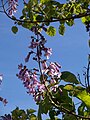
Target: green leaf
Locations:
point(81, 109)
point(39, 112)
point(69, 117)
point(61, 29)
point(70, 22)
point(33, 117)
point(39, 18)
point(30, 111)
point(51, 31)
point(69, 77)
point(44, 1)
point(14, 29)
point(45, 105)
point(69, 87)
point(83, 19)
point(84, 96)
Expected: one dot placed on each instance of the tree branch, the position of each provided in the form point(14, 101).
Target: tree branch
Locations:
point(43, 21)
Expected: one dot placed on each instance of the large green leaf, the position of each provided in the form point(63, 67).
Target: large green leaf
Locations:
point(84, 96)
point(69, 77)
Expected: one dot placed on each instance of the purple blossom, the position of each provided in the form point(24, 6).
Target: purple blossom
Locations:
point(12, 6)
point(30, 81)
point(33, 44)
point(48, 52)
point(54, 85)
point(54, 70)
point(1, 77)
point(44, 66)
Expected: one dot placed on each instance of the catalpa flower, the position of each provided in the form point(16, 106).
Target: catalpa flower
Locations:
point(54, 70)
point(12, 6)
point(30, 81)
point(48, 52)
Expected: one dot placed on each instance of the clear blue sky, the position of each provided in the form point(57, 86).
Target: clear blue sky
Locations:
point(70, 51)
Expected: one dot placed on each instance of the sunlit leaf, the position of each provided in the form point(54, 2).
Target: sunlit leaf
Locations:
point(44, 1)
point(83, 19)
point(69, 87)
point(51, 31)
point(84, 96)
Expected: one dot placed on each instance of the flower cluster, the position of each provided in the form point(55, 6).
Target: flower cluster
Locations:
point(30, 81)
point(12, 6)
point(52, 70)
point(48, 73)
point(41, 46)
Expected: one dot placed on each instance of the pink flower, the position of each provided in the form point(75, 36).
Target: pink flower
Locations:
point(54, 85)
point(33, 44)
point(48, 52)
point(31, 89)
point(12, 6)
point(44, 66)
point(41, 87)
point(54, 70)
point(1, 77)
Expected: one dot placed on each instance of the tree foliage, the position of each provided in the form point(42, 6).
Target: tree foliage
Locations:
point(45, 82)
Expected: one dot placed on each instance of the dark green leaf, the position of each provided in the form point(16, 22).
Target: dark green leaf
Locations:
point(61, 29)
point(39, 18)
point(81, 109)
point(14, 29)
point(39, 112)
point(69, 117)
point(69, 77)
point(70, 22)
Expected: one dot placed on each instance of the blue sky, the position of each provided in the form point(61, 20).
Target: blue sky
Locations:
point(70, 51)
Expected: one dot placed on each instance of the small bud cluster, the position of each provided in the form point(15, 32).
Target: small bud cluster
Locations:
point(37, 80)
point(12, 6)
